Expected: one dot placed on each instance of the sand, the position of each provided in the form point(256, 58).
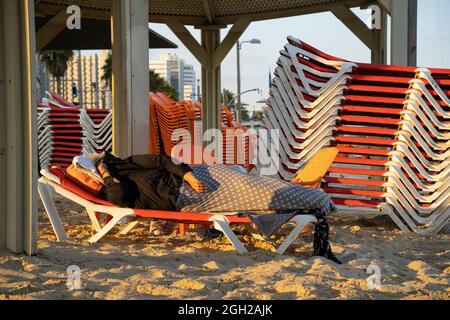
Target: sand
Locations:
point(170, 267)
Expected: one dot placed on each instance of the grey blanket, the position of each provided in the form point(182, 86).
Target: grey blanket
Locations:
point(268, 202)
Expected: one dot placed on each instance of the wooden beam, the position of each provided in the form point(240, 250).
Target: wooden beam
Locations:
point(203, 20)
point(189, 41)
point(50, 30)
point(351, 20)
point(51, 10)
point(386, 4)
point(297, 11)
point(210, 26)
point(227, 20)
point(209, 8)
point(189, 21)
point(230, 40)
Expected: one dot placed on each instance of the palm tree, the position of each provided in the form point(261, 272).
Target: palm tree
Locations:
point(227, 98)
point(159, 84)
point(107, 70)
point(57, 63)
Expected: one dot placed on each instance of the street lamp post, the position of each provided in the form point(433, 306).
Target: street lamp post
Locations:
point(241, 94)
point(238, 58)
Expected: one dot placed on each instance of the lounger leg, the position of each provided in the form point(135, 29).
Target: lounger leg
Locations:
point(128, 228)
point(221, 223)
point(45, 192)
point(94, 219)
point(182, 229)
point(107, 227)
point(301, 222)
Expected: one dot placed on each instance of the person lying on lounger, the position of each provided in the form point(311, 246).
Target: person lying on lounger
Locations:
point(158, 182)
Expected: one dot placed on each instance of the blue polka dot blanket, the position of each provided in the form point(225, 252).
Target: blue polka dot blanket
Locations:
point(268, 202)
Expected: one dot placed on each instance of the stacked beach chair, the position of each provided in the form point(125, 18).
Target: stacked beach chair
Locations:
point(171, 122)
point(66, 131)
point(237, 141)
point(45, 135)
point(389, 123)
point(418, 176)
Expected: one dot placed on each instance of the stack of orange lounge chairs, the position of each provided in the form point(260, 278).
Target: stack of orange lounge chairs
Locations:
point(171, 122)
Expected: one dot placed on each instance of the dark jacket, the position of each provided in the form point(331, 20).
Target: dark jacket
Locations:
point(146, 181)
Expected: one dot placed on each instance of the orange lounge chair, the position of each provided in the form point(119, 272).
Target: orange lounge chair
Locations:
point(53, 180)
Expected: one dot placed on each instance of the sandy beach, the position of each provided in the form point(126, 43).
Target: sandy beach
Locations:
point(139, 266)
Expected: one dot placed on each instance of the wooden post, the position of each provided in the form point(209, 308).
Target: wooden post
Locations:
point(129, 22)
point(412, 32)
point(211, 88)
point(3, 182)
point(379, 49)
point(18, 151)
point(404, 32)
point(210, 54)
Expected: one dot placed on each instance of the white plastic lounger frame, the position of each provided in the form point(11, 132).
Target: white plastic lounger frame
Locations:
point(49, 183)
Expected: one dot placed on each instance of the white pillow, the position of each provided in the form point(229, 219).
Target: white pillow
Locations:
point(86, 165)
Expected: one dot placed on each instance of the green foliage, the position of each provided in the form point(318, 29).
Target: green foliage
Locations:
point(158, 84)
point(107, 70)
point(258, 115)
point(57, 63)
point(227, 97)
point(245, 114)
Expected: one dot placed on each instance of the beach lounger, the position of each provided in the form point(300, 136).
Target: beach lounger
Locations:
point(53, 180)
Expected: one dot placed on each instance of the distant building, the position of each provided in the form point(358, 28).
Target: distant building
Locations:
point(189, 82)
point(83, 77)
point(178, 74)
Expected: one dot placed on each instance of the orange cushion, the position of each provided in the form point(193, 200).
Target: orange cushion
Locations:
point(85, 181)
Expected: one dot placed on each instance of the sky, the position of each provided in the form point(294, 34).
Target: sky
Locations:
point(322, 31)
